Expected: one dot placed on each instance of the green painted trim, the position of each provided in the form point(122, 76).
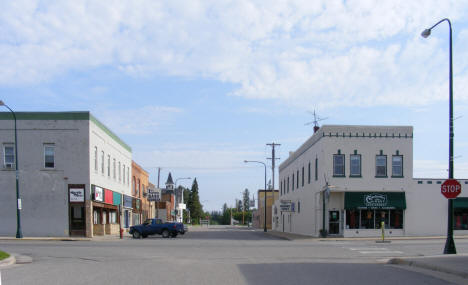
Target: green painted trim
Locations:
point(398, 176)
point(109, 132)
point(78, 115)
point(382, 176)
point(74, 115)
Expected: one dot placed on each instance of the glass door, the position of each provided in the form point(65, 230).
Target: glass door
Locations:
point(77, 220)
point(334, 222)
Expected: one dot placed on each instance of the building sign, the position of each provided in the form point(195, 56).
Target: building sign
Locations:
point(153, 196)
point(77, 195)
point(375, 200)
point(98, 194)
point(285, 206)
point(108, 196)
point(127, 203)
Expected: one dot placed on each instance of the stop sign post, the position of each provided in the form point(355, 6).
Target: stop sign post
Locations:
point(451, 188)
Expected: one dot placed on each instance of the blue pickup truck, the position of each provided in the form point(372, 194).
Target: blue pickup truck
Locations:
point(157, 226)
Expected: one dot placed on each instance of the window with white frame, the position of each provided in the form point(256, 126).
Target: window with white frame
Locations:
point(102, 162)
point(108, 165)
point(381, 165)
point(338, 164)
point(120, 173)
point(355, 165)
point(9, 155)
point(123, 173)
point(128, 175)
point(397, 166)
point(114, 169)
point(49, 156)
point(95, 159)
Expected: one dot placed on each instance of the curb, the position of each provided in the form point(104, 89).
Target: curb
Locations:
point(44, 239)
point(7, 261)
point(419, 264)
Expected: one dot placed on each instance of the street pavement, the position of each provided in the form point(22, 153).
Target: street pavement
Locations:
point(232, 255)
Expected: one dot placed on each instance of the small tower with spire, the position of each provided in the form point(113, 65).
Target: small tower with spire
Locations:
point(169, 182)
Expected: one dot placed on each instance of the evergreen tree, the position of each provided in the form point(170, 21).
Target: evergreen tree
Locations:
point(196, 209)
point(246, 200)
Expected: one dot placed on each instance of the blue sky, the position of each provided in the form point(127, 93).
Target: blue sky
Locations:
point(197, 87)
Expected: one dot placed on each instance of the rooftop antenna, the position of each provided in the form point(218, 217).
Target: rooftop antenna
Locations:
point(315, 121)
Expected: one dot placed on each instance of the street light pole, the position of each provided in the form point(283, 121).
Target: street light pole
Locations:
point(449, 243)
point(265, 196)
point(19, 233)
point(182, 197)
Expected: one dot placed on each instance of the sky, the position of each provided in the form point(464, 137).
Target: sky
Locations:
point(197, 87)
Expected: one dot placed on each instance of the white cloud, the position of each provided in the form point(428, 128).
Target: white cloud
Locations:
point(304, 53)
point(438, 169)
point(141, 121)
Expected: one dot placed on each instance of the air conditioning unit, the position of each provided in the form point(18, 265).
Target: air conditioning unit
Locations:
point(9, 165)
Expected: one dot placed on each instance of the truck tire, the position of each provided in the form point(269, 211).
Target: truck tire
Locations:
point(136, 234)
point(165, 233)
point(174, 234)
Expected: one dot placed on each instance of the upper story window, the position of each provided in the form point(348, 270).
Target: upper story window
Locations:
point(293, 181)
point(133, 186)
point(297, 180)
point(102, 162)
point(303, 176)
point(9, 155)
point(120, 173)
point(397, 165)
point(381, 165)
point(308, 174)
point(108, 166)
point(114, 169)
point(355, 165)
point(316, 169)
point(288, 184)
point(49, 156)
point(123, 173)
point(338, 164)
point(95, 159)
point(128, 175)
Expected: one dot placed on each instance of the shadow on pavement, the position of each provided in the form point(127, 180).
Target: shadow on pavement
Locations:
point(332, 273)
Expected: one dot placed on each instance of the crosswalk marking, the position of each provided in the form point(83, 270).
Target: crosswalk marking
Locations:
point(375, 250)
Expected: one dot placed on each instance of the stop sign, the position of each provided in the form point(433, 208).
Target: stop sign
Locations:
point(451, 188)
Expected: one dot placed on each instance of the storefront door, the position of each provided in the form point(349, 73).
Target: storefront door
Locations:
point(334, 222)
point(77, 220)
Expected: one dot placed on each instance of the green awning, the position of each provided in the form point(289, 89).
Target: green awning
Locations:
point(460, 203)
point(375, 200)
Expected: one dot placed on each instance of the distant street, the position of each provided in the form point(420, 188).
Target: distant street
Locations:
point(219, 255)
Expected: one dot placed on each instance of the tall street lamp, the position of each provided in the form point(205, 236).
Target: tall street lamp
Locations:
point(182, 196)
point(265, 196)
point(19, 233)
point(449, 244)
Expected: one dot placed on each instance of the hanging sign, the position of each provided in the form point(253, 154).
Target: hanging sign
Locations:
point(77, 194)
point(98, 194)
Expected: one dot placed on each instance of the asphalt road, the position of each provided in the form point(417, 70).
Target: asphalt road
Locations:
point(220, 255)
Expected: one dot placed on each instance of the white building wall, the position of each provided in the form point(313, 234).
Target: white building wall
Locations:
point(104, 142)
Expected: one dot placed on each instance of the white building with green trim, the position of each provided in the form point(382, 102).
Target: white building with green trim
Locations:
point(74, 175)
point(347, 180)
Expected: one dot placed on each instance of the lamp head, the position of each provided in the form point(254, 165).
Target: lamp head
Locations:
point(426, 33)
point(245, 161)
point(1, 103)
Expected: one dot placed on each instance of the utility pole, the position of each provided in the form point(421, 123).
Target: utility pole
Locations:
point(273, 159)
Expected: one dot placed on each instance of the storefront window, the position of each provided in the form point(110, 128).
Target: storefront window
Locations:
point(352, 219)
point(371, 219)
point(96, 217)
point(113, 217)
point(104, 217)
point(460, 219)
point(367, 219)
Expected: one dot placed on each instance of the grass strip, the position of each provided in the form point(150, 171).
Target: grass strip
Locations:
point(3, 255)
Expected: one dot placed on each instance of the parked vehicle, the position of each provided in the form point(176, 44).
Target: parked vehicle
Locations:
point(157, 226)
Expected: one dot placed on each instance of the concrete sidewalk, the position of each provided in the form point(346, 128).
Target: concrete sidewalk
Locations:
point(455, 264)
point(292, 236)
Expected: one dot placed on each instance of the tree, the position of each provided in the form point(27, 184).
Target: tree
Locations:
point(246, 200)
point(239, 206)
point(194, 206)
